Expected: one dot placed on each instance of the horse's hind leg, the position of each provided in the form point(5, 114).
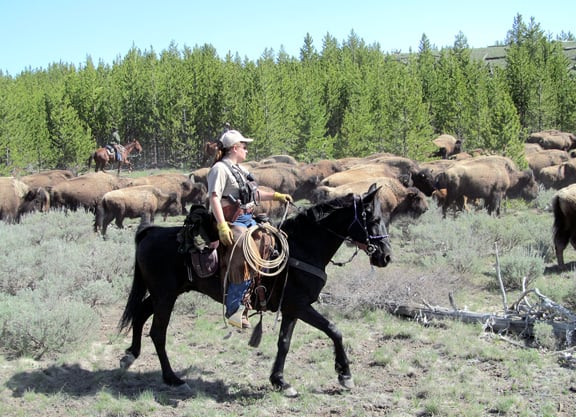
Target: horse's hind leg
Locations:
point(143, 314)
point(162, 313)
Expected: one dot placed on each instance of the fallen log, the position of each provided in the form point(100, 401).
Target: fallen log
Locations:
point(520, 325)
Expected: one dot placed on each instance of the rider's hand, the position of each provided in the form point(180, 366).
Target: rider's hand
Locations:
point(225, 234)
point(283, 198)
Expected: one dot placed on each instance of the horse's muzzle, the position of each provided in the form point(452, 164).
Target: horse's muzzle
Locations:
point(380, 254)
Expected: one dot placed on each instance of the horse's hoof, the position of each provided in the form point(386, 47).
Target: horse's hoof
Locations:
point(127, 361)
point(346, 382)
point(289, 392)
point(183, 389)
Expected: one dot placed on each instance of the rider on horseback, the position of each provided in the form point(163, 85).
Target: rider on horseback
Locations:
point(115, 143)
point(232, 194)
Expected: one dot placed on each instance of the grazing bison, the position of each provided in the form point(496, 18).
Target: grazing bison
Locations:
point(200, 175)
point(403, 169)
point(189, 191)
point(16, 199)
point(558, 176)
point(546, 158)
point(286, 178)
point(395, 198)
point(490, 178)
point(553, 139)
point(47, 179)
point(139, 201)
point(283, 159)
point(85, 191)
point(564, 228)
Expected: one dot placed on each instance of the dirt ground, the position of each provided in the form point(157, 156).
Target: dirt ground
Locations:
point(226, 377)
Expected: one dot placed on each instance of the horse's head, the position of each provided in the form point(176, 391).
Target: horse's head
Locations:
point(137, 145)
point(368, 230)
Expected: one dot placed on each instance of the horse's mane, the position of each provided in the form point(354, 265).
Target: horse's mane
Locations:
point(318, 212)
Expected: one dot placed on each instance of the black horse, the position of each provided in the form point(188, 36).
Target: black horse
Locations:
point(314, 236)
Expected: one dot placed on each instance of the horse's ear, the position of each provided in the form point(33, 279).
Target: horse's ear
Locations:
point(369, 196)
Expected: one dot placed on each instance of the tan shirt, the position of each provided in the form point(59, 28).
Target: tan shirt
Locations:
point(222, 182)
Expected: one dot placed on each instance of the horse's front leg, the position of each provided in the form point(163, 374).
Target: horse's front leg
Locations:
point(140, 318)
point(284, 339)
point(315, 319)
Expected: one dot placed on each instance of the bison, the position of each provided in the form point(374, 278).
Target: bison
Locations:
point(564, 228)
point(553, 139)
point(47, 179)
point(403, 169)
point(490, 178)
point(395, 198)
point(546, 158)
point(142, 201)
point(447, 145)
point(558, 176)
point(189, 191)
point(85, 191)
point(16, 199)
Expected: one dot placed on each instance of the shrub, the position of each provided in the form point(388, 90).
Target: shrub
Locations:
point(520, 263)
point(33, 326)
point(54, 270)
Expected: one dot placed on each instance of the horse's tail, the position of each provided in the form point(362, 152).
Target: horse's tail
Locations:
point(90, 160)
point(135, 298)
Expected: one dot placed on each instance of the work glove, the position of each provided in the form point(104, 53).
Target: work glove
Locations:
point(225, 234)
point(283, 198)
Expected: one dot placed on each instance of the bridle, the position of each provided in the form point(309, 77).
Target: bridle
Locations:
point(369, 245)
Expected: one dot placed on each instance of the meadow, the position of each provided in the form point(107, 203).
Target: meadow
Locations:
point(63, 288)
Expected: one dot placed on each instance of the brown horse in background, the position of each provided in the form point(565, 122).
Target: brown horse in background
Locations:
point(102, 157)
point(210, 152)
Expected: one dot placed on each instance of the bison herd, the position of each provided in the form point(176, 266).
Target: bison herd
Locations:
point(108, 196)
point(407, 187)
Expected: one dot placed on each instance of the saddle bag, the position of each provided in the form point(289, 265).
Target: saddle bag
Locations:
point(205, 264)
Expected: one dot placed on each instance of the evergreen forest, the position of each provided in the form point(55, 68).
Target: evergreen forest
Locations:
point(341, 99)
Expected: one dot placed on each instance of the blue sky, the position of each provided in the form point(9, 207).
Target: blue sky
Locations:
point(35, 33)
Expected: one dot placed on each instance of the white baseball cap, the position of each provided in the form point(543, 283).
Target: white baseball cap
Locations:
point(232, 137)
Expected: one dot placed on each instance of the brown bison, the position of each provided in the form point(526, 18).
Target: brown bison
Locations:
point(447, 145)
point(85, 191)
point(132, 202)
point(546, 158)
point(564, 228)
point(395, 198)
point(283, 159)
point(16, 199)
point(405, 170)
point(558, 176)
point(189, 191)
point(553, 139)
point(285, 178)
point(490, 178)
point(47, 179)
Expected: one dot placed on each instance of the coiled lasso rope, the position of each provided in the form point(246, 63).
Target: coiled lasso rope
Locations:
point(265, 267)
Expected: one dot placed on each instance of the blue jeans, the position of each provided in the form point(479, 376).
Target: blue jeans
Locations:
point(246, 220)
point(236, 291)
point(235, 295)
